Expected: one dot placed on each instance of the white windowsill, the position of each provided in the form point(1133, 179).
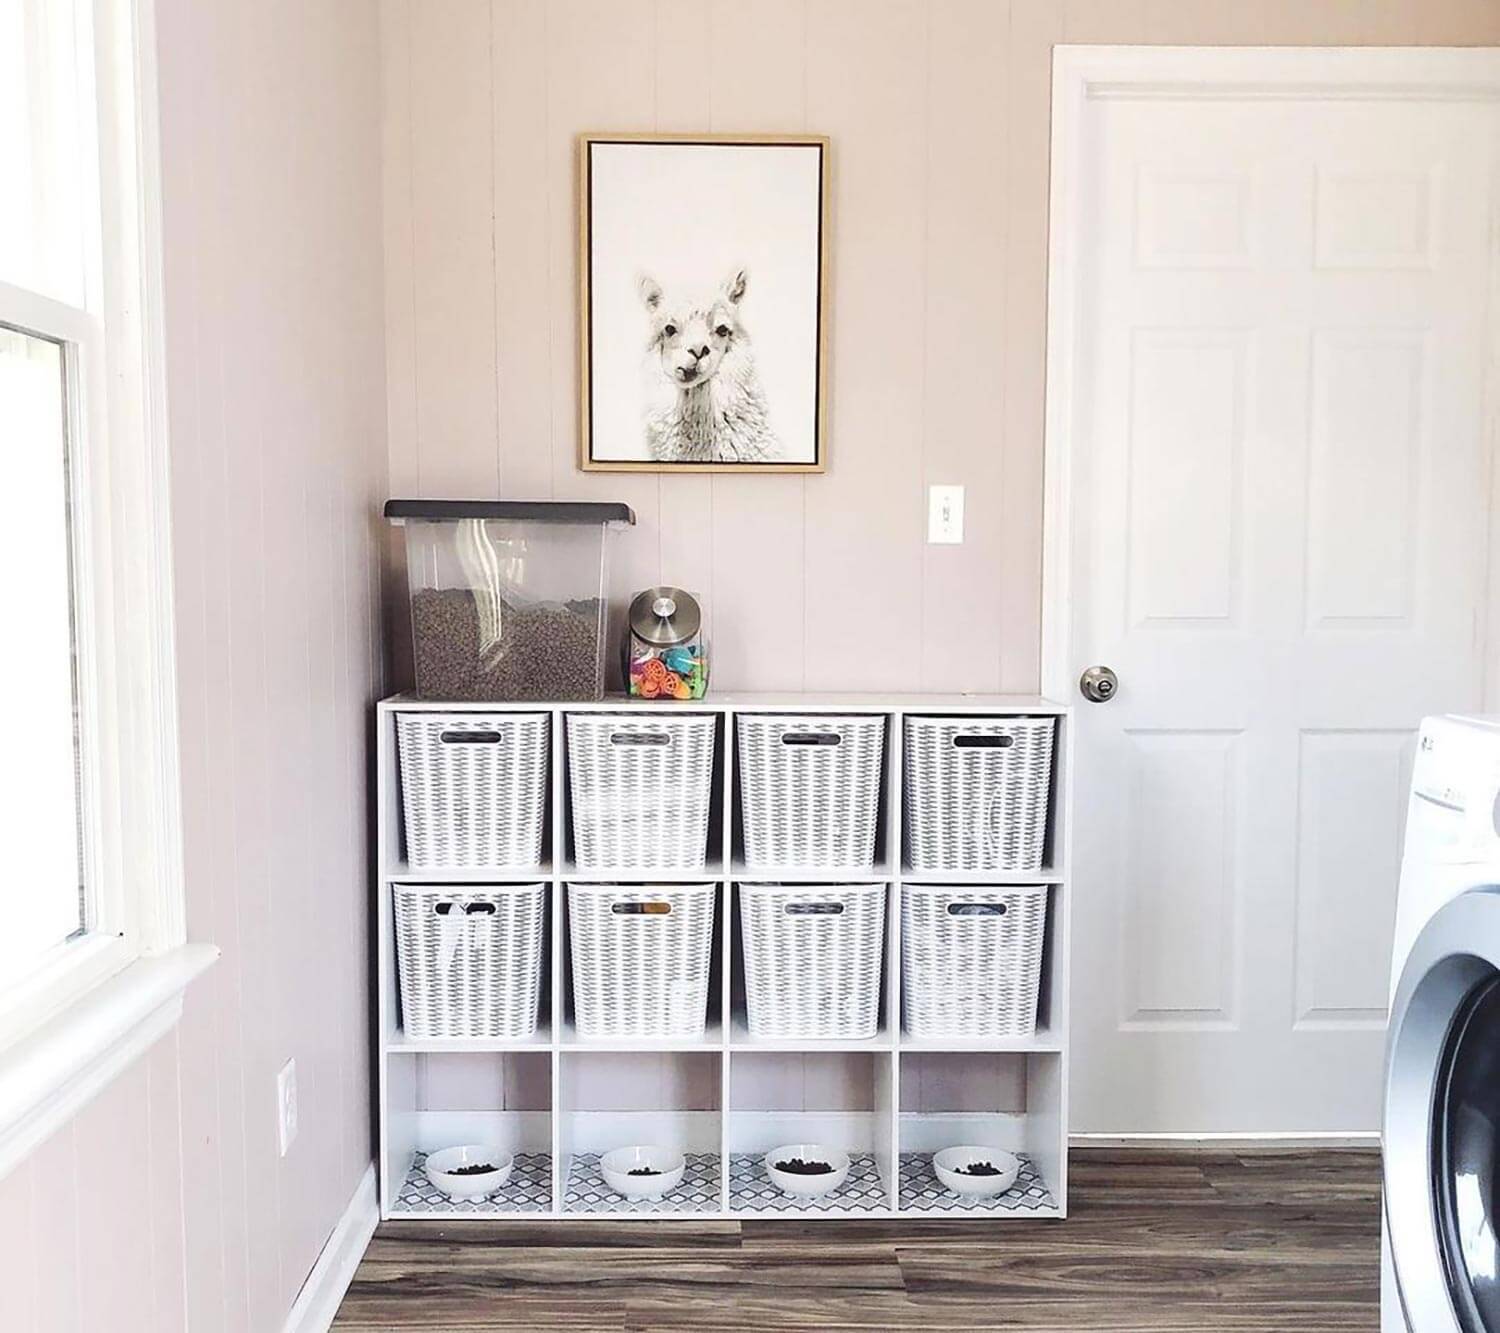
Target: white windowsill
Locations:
point(46, 1077)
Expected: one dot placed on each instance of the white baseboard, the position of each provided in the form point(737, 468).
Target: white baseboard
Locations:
point(318, 1301)
point(1229, 1142)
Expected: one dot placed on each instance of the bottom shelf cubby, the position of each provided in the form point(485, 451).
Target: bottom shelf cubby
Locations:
point(558, 1112)
point(1009, 1102)
point(662, 1099)
point(529, 1190)
point(835, 1099)
point(446, 1100)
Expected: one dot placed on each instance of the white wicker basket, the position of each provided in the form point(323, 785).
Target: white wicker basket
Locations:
point(812, 959)
point(473, 789)
point(971, 960)
point(470, 960)
point(641, 956)
point(640, 790)
point(975, 793)
point(809, 790)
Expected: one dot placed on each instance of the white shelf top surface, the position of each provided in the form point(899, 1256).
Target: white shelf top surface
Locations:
point(825, 702)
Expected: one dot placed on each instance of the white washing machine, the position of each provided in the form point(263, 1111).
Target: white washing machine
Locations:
point(1440, 1253)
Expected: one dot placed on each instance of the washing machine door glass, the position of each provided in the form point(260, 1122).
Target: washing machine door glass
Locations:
point(1465, 1142)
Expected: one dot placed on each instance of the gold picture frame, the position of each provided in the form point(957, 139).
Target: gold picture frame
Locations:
point(652, 338)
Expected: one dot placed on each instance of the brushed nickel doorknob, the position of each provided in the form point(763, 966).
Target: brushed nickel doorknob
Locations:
point(1099, 684)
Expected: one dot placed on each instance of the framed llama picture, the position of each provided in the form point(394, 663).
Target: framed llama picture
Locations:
point(703, 302)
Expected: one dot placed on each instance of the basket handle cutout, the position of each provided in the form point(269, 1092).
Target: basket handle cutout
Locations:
point(471, 737)
point(814, 909)
point(641, 909)
point(811, 738)
point(977, 909)
point(468, 909)
point(640, 738)
point(964, 741)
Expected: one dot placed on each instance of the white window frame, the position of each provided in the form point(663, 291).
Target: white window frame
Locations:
point(97, 1001)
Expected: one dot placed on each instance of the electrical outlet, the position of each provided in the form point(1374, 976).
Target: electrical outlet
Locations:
point(286, 1105)
point(945, 515)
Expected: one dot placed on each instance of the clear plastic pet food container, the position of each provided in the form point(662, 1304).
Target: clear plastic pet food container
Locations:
point(508, 596)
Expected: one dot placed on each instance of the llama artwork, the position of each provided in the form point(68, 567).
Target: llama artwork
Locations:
point(702, 303)
point(708, 405)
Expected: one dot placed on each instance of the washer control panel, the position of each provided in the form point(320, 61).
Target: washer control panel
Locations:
point(1454, 813)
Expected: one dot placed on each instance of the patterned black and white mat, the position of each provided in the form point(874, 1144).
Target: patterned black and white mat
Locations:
point(751, 1190)
point(529, 1190)
point(696, 1192)
point(923, 1192)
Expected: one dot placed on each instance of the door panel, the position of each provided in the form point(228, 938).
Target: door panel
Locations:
point(1343, 932)
point(1277, 531)
point(1364, 479)
point(1180, 891)
point(1184, 436)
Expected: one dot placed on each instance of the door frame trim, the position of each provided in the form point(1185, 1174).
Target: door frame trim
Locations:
point(1081, 74)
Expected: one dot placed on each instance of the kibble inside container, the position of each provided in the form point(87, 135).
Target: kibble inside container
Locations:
point(508, 596)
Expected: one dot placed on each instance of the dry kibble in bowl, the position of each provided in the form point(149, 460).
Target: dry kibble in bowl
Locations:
point(797, 1167)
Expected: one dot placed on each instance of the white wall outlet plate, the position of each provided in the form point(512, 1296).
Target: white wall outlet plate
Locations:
point(945, 515)
point(286, 1105)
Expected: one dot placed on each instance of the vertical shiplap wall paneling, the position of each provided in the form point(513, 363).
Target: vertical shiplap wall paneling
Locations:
point(349, 666)
point(1035, 26)
point(1211, 22)
point(114, 1243)
point(683, 35)
point(289, 241)
point(213, 909)
point(454, 324)
point(601, 74)
point(247, 389)
point(1105, 22)
point(339, 505)
point(1457, 21)
point(939, 113)
point(1388, 22)
point(188, 135)
point(523, 212)
point(164, 1204)
point(165, 1169)
point(398, 224)
point(397, 126)
point(20, 1265)
point(357, 668)
point(296, 570)
point(55, 1261)
point(758, 84)
point(963, 399)
point(864, 518)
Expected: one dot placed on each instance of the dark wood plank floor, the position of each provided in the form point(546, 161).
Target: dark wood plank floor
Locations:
point(1162, 1240)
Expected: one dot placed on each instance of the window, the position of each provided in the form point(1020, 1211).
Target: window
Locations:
point(88, 798)
point(41, 819)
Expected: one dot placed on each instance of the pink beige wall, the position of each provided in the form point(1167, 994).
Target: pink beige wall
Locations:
point(938, 111)
point(165, 1205)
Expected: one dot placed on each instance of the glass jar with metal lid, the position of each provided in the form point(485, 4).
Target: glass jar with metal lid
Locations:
point(666, 651)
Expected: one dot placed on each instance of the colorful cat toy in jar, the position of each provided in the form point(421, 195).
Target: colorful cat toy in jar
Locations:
point(666, 652)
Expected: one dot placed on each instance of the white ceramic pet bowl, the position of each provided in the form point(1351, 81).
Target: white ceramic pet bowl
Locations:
point(950, 1163)
point(807, 1186)
point(666, 1164)
point(441, 1167)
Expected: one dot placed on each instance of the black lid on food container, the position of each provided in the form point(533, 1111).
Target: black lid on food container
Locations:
point(529, 511)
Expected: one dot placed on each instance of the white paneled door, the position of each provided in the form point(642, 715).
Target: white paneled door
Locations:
point(1269, 476)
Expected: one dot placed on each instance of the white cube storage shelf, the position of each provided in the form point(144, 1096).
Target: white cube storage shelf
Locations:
point(559, 1100)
